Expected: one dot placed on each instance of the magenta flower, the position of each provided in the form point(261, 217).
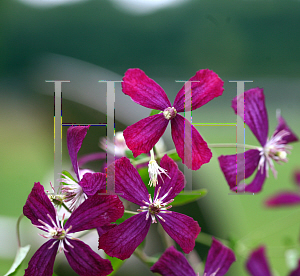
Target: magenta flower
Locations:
point(273, 149)
point(88, 182)
point(123, 239)
point(257, 264)
point(143, 135)
point(96, 211)
point(173, 262)
point(286, 198)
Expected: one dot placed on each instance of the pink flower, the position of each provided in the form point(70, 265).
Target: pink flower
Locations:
point(143, 135)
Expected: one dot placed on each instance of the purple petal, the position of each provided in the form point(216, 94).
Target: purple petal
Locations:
point(256, 185)
point(173, 263)
point(41, 263)
point(128, 182)
point(176, 180)
point(75, 137)
point(91, 183)
point(228, 164)
point(143, 135)
point(91, 157)
point(84, 261)
point(181, 228)
point(207, 87)
point(201, 154)
point(257, 263)
point(97, 210)
point(297, 177)
point(283, 199)
point(144, 90)
point(282, 125)
point(38, 206)
point(103, 229)
point(219, 259)
point(256, 117)
point(296, 272)
point(123, 239)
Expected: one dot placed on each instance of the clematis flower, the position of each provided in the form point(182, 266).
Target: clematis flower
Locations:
point(123, 239)
point(286, 198)
point(88, 182)
point(143, 135)
point(173, 262)
point(96, 211)
point(273, 149)
point(257, 264)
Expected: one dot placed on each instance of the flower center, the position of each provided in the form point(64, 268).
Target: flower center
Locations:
point(170, 113)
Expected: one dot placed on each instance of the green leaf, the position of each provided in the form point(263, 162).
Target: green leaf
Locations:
point(66, 173)
point(115, 262)
point(154, 112)
point(21, 254)
point(125, 216)
point(187, 197)
point(174, 156)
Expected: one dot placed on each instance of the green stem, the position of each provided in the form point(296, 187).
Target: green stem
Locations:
point(65, 206)
point(206, 239)
point(18, 230)
point(149, 261)
point(130, 212)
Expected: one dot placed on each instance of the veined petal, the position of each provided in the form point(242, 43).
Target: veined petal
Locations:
point(176, 180)
point(283, 199)
point(282, 125)
point(296, 272)
point(206, 85)
point(144, 90)
point(181, 228)
point(255, 112)
point(38, 206)
point(173, 263)
point(201, 154)
point(91, 183)
point(256, 185)
point(75, 137)
point(97, 210)
point(257, 263)
point(84, 261)
point(142, 136)
point(103, 229)
point(122, 240)
point(41, 263)
point(233, 173)
point(128, 182)
point(219, 259)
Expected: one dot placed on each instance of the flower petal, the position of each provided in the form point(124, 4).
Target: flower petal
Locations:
point(257, 263)
point(176, 180)
point(103, 229)
point(297, 177)
point(142, 136)
point(144, 90)
point(38, 206)
point(228, 164)
point(282, 125)
point(206, 85)
point(201, 154)
point(219, 259)
point(296, 272)
point(256, 185)
point(91, 183)
point(122, 240)
point(128, 182)
point(84, 261)
point(75, 137)
point(173, 263)
point(41, 263)
point(181, 228)
point(97, 210)
point(283, 199)
point(252, 103)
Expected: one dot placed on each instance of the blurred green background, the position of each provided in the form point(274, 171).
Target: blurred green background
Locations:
point(81, 40)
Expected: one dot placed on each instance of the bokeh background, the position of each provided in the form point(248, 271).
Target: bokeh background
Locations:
point(89, 40)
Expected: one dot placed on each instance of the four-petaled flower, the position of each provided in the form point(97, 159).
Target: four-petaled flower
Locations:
point(173, 262)
point(88, 182)
point(96, 211)
point(257, 264)
point(123, 239)
point(143, 135)
point(273, 149)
